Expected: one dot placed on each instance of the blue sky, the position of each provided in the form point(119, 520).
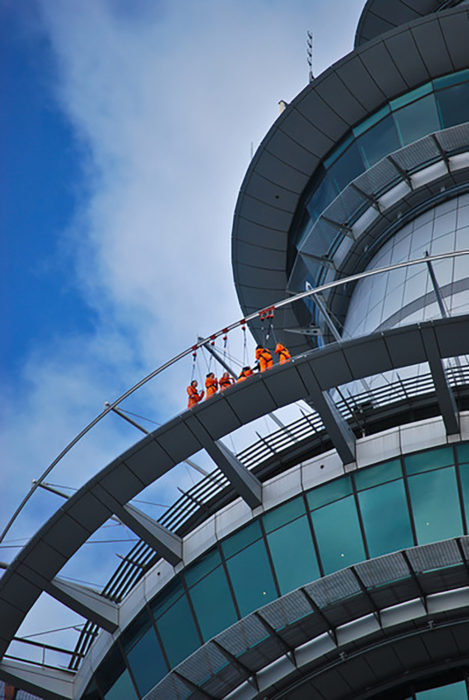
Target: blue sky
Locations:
point(126, 130)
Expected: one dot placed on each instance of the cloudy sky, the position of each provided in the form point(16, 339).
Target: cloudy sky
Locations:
point(126, 129)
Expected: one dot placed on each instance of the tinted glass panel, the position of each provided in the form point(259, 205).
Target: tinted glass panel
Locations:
point(386, 518)
point(92, 693)
point(347, 167)
point(213, 603)
point(367, 123)
point(122, 689)
point(435, 518)
point(242, 539)
point(379, 141)
point(453, 104)
point(284, 514)
point(459, 77)
point(463, 453)
point(455, 691)
point(464, 474)
point(322, 495)
point(178, 645)
point(338, 533)
point(205, 564)
point(110, 670)
point(324, 194)
point(373, 476)
point(293, 555)
point(251, 577)
point(411, 96)
point(146, 662)
point(171, 593)
point(424, 461)
point(417, 119)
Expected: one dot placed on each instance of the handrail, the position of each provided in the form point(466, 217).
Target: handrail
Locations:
point(203, 341)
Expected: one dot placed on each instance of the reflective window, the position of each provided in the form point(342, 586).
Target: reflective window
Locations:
point(348, 167)
point(379, 141)
point(463, 453)
point(241, 539)
point(338, 534)
point(203, 566)
point(432, 459)
point(170, 625)
point(417, 120)
point(454, 691)
point(322, 495)
point(113, 678)
point(92, 692)
point(323, 195)
point(387, 471)
point(435, 518)
point(213, 603)
point(453, 104)
point(386, 518)
point(122, 689)
point(411, 96)
point(145, 658)
point(251, 577)
point(295, 564)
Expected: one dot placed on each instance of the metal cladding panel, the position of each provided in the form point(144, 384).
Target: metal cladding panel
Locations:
point(269, 192)
point(382, 68)
point(455, 30)
point(43, 559)
point(285, 386)
point(331, 685)
point(395, 13)
point(285, 175)
point(217, 417)
point(282, 146)
point(302, 130)
point(19, 593)
point(461, 637)
point(267, 258)
point(178, 441)
point(385, 658)
point(442, 645)
point(325, 118)
point(412, 653)
point(407, 57)
point(250, 275)
point(252, 403)
point(331, 368)
point(375, 26)
point(353, 72)
point(259, 235)
point(64, 535)
point(359, 673)
point(268, 214)
point(432, 47)
point(88, 511)
point(121, 482)
point(367, 357)
point(149, 461)
point(405, 347)
point(453, 337)
point(341, 99)
point(9, 623)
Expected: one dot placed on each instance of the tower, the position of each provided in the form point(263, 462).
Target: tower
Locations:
point(330, 559)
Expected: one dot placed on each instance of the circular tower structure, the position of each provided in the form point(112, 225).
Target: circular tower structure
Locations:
point(330, 559)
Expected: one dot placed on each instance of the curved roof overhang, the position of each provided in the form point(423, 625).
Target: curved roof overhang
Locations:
point(380, 16)
point(356, 632)
point(306, 131)
point(36, 567)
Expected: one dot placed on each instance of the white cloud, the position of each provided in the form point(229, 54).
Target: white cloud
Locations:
point(165, 99)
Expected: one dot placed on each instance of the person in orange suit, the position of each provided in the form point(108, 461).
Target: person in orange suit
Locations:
point(211, 385)
point(245, 373)
point(264, 358)
point(225, 381)
point(282, 352)
point(194, 395)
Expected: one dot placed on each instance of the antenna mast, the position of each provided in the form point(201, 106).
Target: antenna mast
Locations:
point(309, 54)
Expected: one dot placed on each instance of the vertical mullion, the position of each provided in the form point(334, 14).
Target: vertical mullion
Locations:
point(313, 535)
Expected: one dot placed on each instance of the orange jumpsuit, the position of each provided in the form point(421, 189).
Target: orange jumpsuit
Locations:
point(245, 373)
point(282, 352)
point(211, 384)
point(194, 396)
point(264, 358)
point(225, 381)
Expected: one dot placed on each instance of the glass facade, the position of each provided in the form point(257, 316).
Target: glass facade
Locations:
point(377, 510)
point(439, 104)
point(407, 296)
